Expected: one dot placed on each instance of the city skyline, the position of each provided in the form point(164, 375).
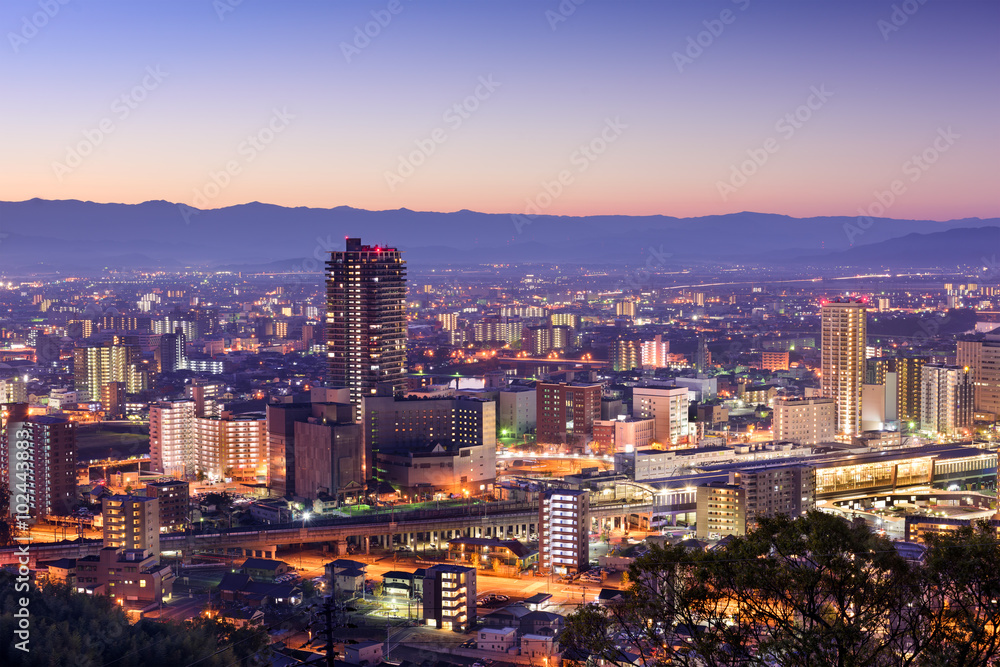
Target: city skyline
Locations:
point(633, 109)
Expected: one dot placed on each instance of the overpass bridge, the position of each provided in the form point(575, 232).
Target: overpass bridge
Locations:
point(386, 529)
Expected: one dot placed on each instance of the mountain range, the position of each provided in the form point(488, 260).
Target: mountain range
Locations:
point(75, 236)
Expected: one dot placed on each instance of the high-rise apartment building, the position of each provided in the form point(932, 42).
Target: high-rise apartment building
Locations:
point(171, 438)
point(981, 354)
point(667, 407)
point(844, 327)
point(566, 410)
point(625, 309)
point(947, 397)
point(564, 531)
point(94, 367)
point(625, 355)
point(131, 522)
point(231, 447)
point(655, 353)
point(449, 321)
point(49, 445)
point(903, 376)
point(805, 421)
point(366, 319)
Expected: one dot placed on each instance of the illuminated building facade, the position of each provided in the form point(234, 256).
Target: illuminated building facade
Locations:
point(231, 447)
point(946, 398)
point(171, 438)
point(844, 327)
point(366, 319)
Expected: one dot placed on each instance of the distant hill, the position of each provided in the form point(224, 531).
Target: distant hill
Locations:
point(71, 236)
point(954, 247)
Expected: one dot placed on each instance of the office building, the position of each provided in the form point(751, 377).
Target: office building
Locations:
point(427, 445)
point(131, 522)
point(806, 421)
point(330, 454)
point(844, 327)
point(947, 396)
point(174, 503)
point(564, 531)
point(516, 411)
point(981, 354)
point(449, 597)
point(232, 447)
point(667, 407)
point(49, 444)
point(171, 438)
point(366, 320)
point(622, 435)
point(566, 411)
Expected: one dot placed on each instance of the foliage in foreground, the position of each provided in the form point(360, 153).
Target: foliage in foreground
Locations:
point(813, 591)
point(76, 630)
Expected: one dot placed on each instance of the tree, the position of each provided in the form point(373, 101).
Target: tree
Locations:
point(814, 591)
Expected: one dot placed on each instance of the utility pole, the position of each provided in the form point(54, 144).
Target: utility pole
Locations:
point(328, 613)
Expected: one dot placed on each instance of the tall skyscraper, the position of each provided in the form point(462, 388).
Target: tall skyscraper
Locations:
point(844, 325)
point(366, 319)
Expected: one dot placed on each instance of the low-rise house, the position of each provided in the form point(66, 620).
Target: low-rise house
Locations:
point(346, 576)
point(487, 552)
point(264, 569)
point(364, 654)
point(497, 640)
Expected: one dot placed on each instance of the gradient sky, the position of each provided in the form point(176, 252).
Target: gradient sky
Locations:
point(892, 93)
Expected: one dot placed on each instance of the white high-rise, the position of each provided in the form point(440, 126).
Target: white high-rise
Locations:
point(844, 326)
point(171, 438)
